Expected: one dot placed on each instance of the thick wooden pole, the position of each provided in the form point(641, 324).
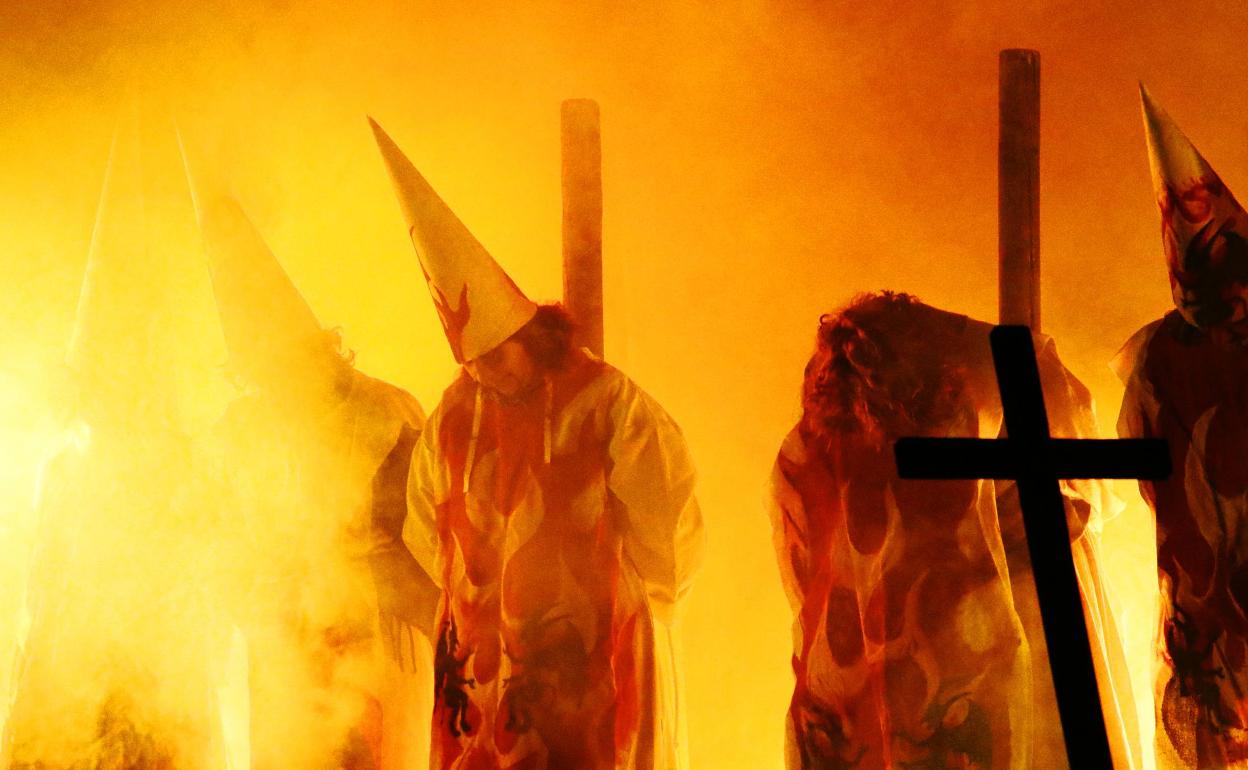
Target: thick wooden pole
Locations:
point(1018, 189)
point(582, 220)
point(1018, 221)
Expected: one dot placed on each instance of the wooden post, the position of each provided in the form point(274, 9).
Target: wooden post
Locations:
point(582, 220)
point(1018, 189)
point(1066, 640)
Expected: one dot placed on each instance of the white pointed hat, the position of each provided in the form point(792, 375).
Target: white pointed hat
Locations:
point(263, 316)
point(1204, 229)
point(123, 304)
point(478, 303)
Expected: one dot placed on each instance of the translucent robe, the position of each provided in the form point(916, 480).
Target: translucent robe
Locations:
point(306, 493)
point(123, 661)
point(912, 647)
point(1089, 504)
point(1193, 392)
point(563, 531)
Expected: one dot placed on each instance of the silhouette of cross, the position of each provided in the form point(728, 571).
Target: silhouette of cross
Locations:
point(1036, 462)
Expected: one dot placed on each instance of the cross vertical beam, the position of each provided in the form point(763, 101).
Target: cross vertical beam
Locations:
point(582, 220)
point(1048, 545)
point(1030, 457)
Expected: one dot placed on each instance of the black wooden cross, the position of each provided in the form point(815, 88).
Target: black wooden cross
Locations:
point(1036, 462)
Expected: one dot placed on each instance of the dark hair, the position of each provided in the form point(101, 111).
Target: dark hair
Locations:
point(547, 337)
point(885, 366)
point(332, 340)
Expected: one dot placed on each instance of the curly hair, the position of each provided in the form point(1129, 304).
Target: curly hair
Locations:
point(884, 366)
point(547, 337)
point(332, 340)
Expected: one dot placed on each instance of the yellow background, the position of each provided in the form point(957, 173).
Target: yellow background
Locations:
point(763, 162)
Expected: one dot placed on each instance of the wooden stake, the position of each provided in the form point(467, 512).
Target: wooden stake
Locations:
point(582, 220)
point(1018, 189)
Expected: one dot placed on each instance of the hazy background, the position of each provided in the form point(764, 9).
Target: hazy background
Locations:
point(763, 162)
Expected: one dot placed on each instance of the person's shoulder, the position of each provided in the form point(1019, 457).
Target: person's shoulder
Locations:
point(792, 448)
point(456, 402)
point(595, 384)
point(584, 364)
point(585, 374)
point(1129, 359)
point(605, 375)
point(389, 397)
point(462, 390)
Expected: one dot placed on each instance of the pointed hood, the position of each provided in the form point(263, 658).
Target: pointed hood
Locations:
point(263, 316)
point(478, 303)
point(1204, 229)
point(144, 344)
point(123, 303)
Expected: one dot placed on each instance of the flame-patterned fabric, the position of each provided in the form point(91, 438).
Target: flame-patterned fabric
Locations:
point(1191, 389)
point(563, 536)
point(910, 647)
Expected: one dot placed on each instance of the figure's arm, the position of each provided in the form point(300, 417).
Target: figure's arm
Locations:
point(1136, 419)
point(427, 484)
point(652, 475)
point(405, 592)
point(789, 532)
point(1139, 408)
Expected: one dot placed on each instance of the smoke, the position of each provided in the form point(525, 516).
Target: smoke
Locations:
point(763, 162)
point(119, 647)
point(188, 573)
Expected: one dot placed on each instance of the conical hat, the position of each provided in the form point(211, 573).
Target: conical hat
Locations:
point(478, 303)
point(123, 302)
point(1203, 227)
point(263, 315)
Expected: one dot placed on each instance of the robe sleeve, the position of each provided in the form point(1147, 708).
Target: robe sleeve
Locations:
point(1138, 413)
point(406, 595)
point(1139, 404)
point(788, 521)
point(651, 474)
point(427, 485)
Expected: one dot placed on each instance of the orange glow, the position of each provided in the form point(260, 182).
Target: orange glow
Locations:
point(763, 161)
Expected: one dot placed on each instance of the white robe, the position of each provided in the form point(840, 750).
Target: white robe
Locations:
point(563, 532)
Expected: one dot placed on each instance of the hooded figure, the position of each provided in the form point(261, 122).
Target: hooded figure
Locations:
point(1186, 378)
point(552, 502)
point(314, 459)
point(121, 667)
point(913, 600)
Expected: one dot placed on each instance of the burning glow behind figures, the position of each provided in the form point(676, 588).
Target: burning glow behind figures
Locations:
point(118, 504)
point(763, 162)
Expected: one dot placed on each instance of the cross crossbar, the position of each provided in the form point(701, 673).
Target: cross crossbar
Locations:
point(1036, 462)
